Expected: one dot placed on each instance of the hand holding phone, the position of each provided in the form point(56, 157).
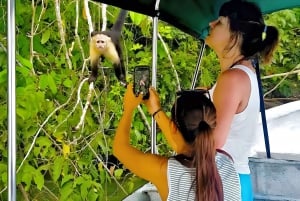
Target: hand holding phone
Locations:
point(141, 79)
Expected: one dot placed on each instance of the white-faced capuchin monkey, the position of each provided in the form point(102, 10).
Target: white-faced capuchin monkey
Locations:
point(106, 44)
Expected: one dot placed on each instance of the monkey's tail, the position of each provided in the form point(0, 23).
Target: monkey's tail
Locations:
point(117, 27)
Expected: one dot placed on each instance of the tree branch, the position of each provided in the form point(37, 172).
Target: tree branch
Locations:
point(76, 30)
point(285, 76)
point(171, 61)
point(104, 18)
point(24, 193)
point(293, 71)
point(88, 15)
point(62, 32)
point(32, 34)
point(87, 104)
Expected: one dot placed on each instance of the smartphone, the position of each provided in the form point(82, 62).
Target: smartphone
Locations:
point(141, 81)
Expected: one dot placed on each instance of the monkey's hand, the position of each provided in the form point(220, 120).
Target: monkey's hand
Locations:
point(94, 73)
point(92, 78)
point(120, 73)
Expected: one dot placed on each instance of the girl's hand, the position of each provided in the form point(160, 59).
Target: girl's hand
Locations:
point(130, 101)
point(153, 102)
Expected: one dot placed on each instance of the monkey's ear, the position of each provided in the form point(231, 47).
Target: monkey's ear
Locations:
point(93, 33)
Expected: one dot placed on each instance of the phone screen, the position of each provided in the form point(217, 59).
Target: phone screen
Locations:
point(141, 81)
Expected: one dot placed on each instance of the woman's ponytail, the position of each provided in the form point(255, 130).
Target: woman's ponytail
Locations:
point(270, 39)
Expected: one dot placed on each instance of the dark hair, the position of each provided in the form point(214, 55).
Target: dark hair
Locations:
point(195, 116)
point(246, 22)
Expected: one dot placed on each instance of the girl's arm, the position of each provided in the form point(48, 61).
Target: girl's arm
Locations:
point(145, 165)
point(169, 129)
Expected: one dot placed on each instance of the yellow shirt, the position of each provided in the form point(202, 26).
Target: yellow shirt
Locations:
point(150, 167)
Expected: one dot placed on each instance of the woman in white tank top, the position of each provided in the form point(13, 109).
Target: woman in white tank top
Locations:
point(238, 37)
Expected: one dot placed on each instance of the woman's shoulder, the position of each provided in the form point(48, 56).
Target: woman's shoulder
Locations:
point(235, 74)
point(234, 79)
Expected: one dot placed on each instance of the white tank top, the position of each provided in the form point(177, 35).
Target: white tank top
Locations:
point(242, 134)
point(180, 180)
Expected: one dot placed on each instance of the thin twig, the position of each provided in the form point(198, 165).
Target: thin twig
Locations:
point(285, 76)
point(87, 104)
point(106, 168)
point(171, 61)
point(76, 30)
point(144, 117)
point(24, 193)
point(32, 34)
point(50, 192)
point(91, 86)
point(62, 32)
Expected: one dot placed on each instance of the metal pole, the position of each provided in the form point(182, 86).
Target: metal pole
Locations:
point(11, 31)
point(154, 73)
point(198, 65)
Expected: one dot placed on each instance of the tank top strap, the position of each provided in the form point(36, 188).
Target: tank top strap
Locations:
point(249, 72)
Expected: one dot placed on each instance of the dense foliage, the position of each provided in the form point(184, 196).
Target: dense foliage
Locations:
point(57, 157)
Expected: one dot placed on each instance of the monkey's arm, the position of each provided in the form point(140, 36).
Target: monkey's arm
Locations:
point(119, 67)
point(94, 60)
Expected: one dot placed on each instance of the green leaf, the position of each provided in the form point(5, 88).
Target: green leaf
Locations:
point(38, 179)
point(45, 36)
point(24, 62)
point(118, 173)
point(79, 180)
point(43, 141)
point(65, 191)
point(3, 76)
point(130, 186)
point(66, 179)
point(84, 189)
point(52, 84)
point(57, 167)
point(3, 173)
point(92, 196)
point(22, 113)
point(27, 175)
point(26, 178)
point(136, 18)
point(43, 81)
point(68, 83)
point(136, 46)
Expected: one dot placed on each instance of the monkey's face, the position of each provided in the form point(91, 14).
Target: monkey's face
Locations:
point(101, 41)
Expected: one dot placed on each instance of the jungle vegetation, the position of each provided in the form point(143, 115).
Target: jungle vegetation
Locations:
point(65, 126)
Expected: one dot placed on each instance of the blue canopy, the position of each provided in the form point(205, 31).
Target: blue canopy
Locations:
point(192, 16)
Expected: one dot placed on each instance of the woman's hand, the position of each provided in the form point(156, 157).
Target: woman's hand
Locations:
point(130, 101)
point(153, 102)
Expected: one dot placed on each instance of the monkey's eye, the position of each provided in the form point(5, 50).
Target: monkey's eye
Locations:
point(100, 41)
